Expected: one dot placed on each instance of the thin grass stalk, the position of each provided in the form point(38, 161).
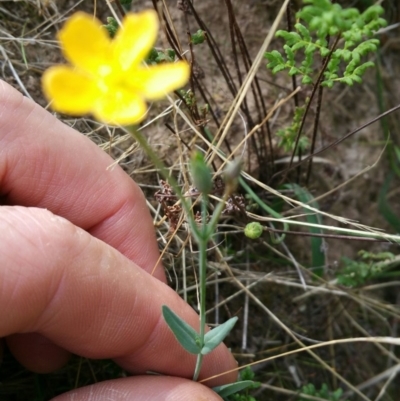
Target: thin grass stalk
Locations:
point(315, 131)
point(290, 29)
point(340, 140)
point(316, 86)
point(257, 93)
point(244, 105)
point(212, 44)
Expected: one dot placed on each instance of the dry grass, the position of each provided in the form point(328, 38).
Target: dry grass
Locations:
point(281, 306)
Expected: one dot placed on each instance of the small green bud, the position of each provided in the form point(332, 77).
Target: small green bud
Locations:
point(198, 37)
point(253, 230)
point(201, 173)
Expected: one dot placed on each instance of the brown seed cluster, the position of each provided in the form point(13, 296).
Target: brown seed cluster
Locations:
point(235, 204)
point(168, 200)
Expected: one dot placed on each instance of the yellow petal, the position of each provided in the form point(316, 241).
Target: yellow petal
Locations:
point(86, 44)
point(135, 38)
point(71, 92)
point(120, 107)
point(158, 80)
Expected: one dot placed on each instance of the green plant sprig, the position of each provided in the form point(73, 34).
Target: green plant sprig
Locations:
point(323, 393)
point(321, 20)
point(288, 135)
point(198, 343)
point(367, 266)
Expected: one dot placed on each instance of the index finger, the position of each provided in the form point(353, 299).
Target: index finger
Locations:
point(88, 298)
point(47, 164)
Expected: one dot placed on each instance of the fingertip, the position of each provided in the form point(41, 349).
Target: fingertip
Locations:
point(155, 388)
point(37, 353)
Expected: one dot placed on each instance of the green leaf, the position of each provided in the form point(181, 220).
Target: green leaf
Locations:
point(289, 53)
point(328, 83)
point(298, 46)
point(278, 68)
point(229, 389)
point(215, 337)
point(306, 80)
point(310, 48)
point(357, 78)
point(348, 81)
point(198, 37)
point(333, 65)
point(289, 37)
point(273, 56)
point(303, 32)
point(185, 334)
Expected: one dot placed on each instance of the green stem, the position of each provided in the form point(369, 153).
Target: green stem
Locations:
point(199, 362)
point(203, 242)
point(141, 140)
point(215, 216)
point(201, 235)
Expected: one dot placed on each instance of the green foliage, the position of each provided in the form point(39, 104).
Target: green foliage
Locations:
point(323, 393)
point(215, 336)
point(189, 97)
point(198, 37)
point(201, 173)
point(230, 389)
point(111, 26)
point(126, 4)
point(369, 266)
point(187, 337)
point(160, 56)
point(190, 339)
point(318, 21)
point(288, 134)
point(239, 391)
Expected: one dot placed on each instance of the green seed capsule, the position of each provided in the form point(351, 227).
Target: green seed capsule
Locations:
point(253, 230)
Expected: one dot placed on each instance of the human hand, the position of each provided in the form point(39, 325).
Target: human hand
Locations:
point(70, 276)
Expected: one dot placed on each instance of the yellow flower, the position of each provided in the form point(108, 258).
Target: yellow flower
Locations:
point(107, 77)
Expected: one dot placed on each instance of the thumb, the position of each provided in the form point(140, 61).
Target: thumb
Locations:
point(154, 388)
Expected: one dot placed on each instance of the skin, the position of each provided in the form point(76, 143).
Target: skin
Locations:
point(77, 249)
